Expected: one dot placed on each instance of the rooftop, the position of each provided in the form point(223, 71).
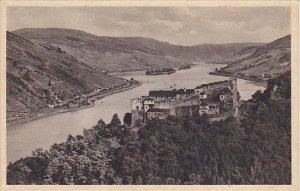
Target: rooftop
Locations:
point(185, 91)
point(162, 93)
point(148, 99)
point(226, 91)
point(203, 104)
point(158, 110)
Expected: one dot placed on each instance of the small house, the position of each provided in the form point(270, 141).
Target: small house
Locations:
point(148, 103)
point(184, 93)
point(203, 95)
point(203, 108)
point(226, 99)
point(226, 95)
point(213, 109)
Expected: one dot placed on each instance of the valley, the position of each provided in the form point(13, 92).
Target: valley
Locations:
point(81, 66)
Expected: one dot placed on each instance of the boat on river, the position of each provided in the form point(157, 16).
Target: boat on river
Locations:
point(161, 72)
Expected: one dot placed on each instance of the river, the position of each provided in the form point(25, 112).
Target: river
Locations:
point(23, 138)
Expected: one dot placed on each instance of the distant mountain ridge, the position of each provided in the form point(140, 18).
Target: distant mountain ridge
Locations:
point(273, 58)
point(128, 53)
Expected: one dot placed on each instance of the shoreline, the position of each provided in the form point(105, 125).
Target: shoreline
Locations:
point(254, 82)
point(61, 111)
point(116, 73)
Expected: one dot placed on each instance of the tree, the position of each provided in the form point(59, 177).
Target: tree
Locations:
point(127, 119)
point(115, 121)
point(101, 122)
point(257, 96)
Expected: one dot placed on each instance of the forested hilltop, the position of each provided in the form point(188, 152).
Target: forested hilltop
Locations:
point(253, 148)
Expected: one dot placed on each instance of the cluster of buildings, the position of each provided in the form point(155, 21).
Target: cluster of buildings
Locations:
point(211, 99)
point(53, 101)
point(266, 77)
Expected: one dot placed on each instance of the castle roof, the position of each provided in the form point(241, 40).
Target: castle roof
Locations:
point(162, 93)
point(158, 110)
point(226, 91)
point(185, 91)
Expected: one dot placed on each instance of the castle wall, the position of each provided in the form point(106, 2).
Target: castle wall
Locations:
point(137, 116)
point(164, 104)
point(231, 83)
point(187, 111)
point(186, 104)
point(136, 104)
point(158, 115)
point(137, 111)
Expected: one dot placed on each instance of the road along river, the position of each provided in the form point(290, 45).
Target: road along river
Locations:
point(23, 138)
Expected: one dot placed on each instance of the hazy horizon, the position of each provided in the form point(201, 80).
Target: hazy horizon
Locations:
point(175, 25)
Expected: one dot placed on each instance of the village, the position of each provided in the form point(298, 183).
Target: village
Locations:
point(218, 100)
point(79, 100)
point(56, 104)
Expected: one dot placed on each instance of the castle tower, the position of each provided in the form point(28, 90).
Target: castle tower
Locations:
point(233, 86)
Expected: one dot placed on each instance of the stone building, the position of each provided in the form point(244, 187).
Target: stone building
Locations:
point(182, 94)
point(187, 111)
point(213, 109)
point(203, 108)
point(157, 113)
point(148, 103)
point(202, 95)
point(227, 99)
point(212, 99)
point(137, 110)
point(207, 88)
point(163, 95)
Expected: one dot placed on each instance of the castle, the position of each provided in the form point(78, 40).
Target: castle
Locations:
point(211, 99)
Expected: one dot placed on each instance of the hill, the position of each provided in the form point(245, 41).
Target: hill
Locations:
point(271, 59)
point(29, 65)
point(128, 53)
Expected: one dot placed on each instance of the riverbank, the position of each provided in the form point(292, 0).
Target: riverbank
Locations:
point(52, 112)
point(252, 80)
point(124, 71)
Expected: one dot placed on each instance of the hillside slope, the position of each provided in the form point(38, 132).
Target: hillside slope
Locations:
point(273, 58)
point(128, 53)
point(29, 65)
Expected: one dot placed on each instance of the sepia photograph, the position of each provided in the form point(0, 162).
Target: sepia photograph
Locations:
point(149, 95)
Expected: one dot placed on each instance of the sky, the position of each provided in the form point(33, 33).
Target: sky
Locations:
point(176, 25)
